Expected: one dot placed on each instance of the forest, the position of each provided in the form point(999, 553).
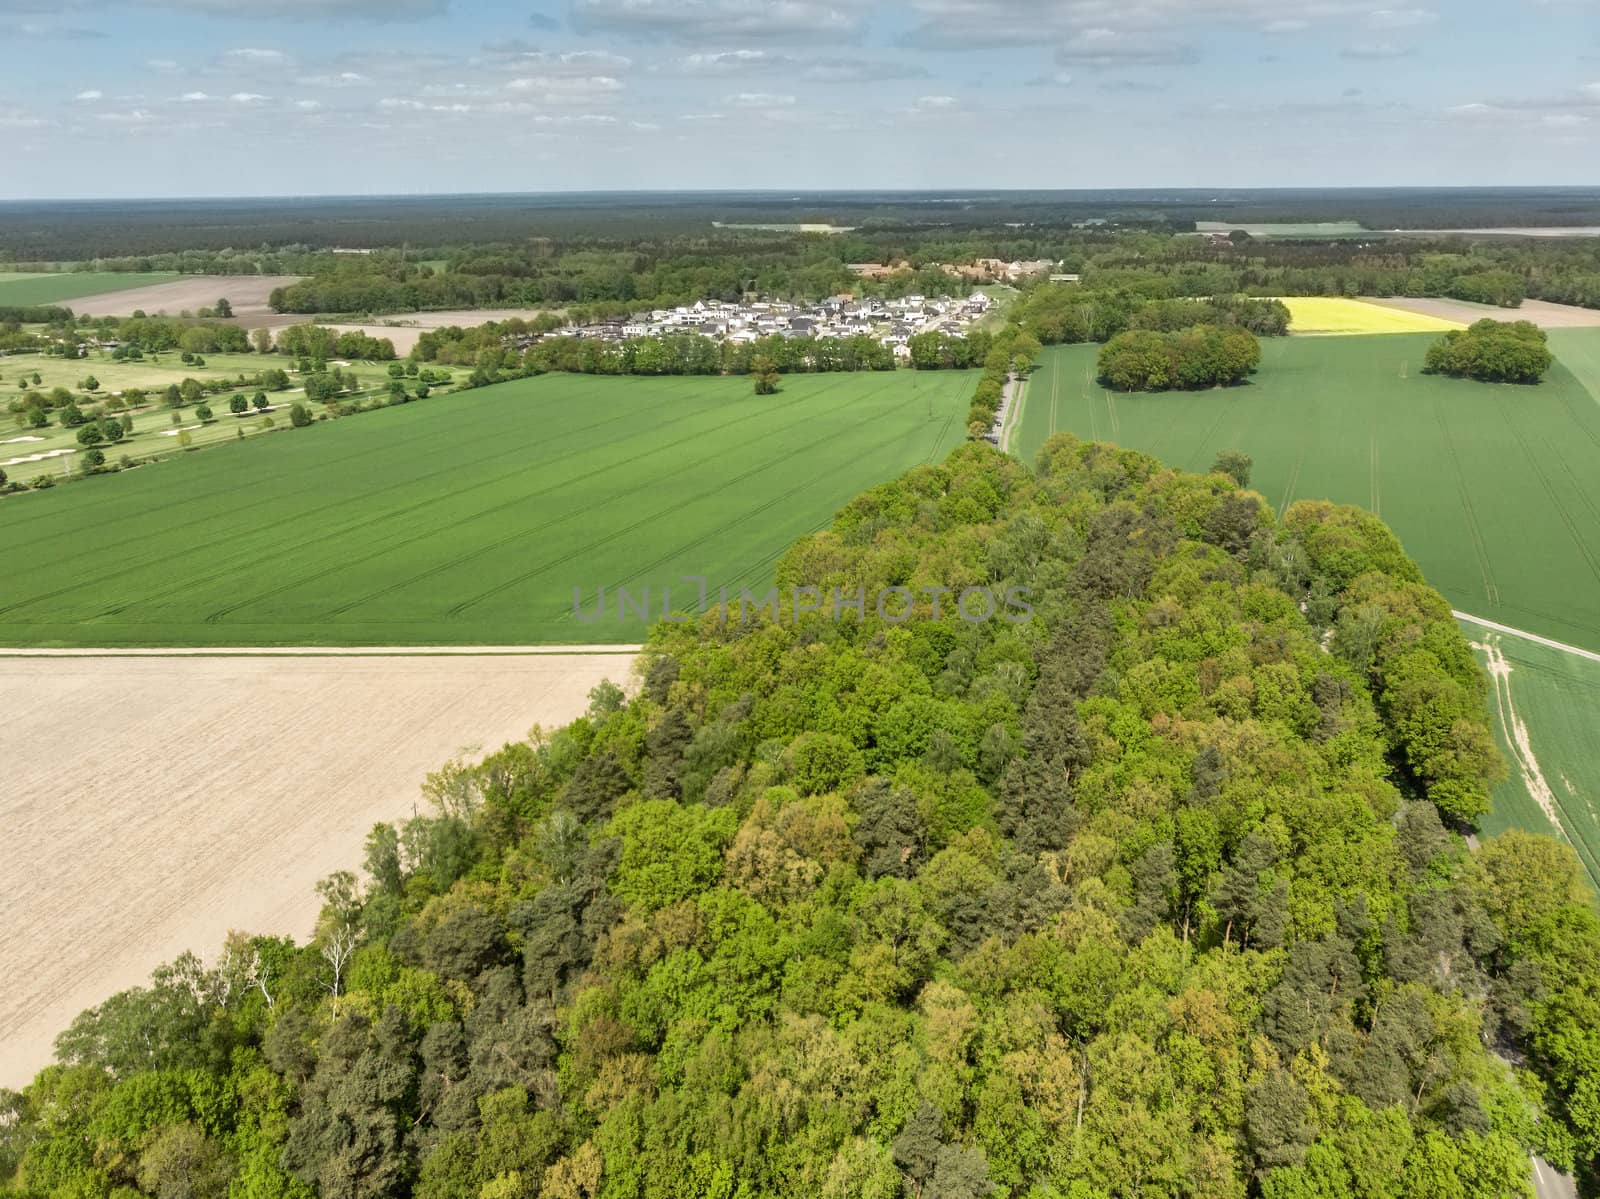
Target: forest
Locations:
point(595, 280)
point(232, 236)
point(1162, 893)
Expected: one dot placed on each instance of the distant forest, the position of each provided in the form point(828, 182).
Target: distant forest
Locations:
point(82, 230)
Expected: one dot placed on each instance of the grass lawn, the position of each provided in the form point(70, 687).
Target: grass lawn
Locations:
point(1335, 315)
point(467, 519)
point(154, 433)
point(21, 290)
point(1495, 489)
point(1545, 703)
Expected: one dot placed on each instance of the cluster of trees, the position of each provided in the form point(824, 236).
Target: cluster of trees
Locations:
point(1158, 894)
point(937, 350)
point(1200, 357)
point(319, 343)
point(1492, 351)
point(159, 334)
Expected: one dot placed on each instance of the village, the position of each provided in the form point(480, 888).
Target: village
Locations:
point(893, 322)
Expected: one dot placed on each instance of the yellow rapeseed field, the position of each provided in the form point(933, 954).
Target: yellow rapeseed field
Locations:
point(1325, 315)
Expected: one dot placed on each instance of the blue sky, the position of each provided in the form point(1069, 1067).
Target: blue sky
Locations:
point(296, 97)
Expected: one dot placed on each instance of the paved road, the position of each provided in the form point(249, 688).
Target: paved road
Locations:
point(1550, 1183)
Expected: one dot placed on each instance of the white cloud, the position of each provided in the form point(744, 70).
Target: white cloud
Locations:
point(137, 116)
point(1102, 47)
point(251, 56)
point(758, 100)
point(562, 89)
point(1377, 51)
point(92, 94)
point(731, 62)
point(721, 20)
point(193, 98)
point(337, 79)
point(331, 10)
point(1401, 18)
point(248, 97)
point(308, 105)
point(582, 62)
point(17, 118)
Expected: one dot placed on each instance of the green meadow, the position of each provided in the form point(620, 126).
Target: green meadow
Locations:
point(1494, 489)
point(22, 289)
point(465, 519)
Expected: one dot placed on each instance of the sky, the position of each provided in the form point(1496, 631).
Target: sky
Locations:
point(122, 98)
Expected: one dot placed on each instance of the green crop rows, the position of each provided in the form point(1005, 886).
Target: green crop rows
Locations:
point(24, 290)
point(466, 519)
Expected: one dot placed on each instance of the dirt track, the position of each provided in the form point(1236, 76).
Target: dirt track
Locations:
point(246, 294)
point(1540, 312)
point(151, 804)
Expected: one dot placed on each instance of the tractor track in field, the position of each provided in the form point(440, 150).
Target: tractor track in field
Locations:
point(1480, 549)
point(740, 518)
point(1555, 502)
point(278, 547)
point(318, 467)
point(1377, 486)
point(409, 535)
point(408, 485)
point(290, 545)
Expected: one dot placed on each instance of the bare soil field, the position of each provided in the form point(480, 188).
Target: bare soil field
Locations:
point(150, 804)
point(247, 294)
point(1540, 312)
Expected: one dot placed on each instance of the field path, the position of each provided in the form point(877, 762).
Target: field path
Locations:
point(153, 801)
point(1534, 637)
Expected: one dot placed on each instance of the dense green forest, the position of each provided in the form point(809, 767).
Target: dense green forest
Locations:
point(271, 236)
point(592, 280)
point(1160, 893)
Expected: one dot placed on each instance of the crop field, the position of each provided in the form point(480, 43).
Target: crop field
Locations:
point(1579, 352)
point(469, 519)
point(21, 290)
point(1495, 489)
point(1545, 703)
point(214, 794)
point(1334, 315)
point(27, 453)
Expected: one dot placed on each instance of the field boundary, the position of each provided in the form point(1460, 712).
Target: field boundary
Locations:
point(1534, 637)
point(334, 651)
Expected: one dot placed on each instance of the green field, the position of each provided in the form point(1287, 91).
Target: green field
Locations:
point(1545, 702)
point(464, 520)
point(154, 433)
point(1494, 489)
point(23, 290)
